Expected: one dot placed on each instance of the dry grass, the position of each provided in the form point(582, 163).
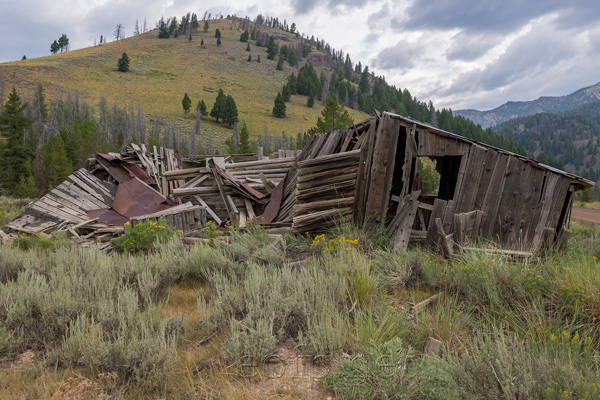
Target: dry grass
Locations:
point(162, 70)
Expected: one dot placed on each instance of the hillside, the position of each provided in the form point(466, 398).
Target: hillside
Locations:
point(162, 70)
point(516, 109)
point(572, 137)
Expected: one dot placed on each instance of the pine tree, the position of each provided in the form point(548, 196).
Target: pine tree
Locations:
point(230, 112)
point(123, 64)
point(217, 33)
point(311, 100)
point(334, 116)
point(15, 155)
point(190, 38)
point(57, 166)
point(244, 145)
point(218, 107)
point(292, 58)
point(205, 25)
point(258, 58)
point(248, 47)
point(272, 48)
point(249, 57)
point(186, 104)
point(202, 43)
point(218, 41)
point(244, 36)
point(202, 108)
point(279, 66)
point(364, 81)
point(286, 92)
point(279, 107)
point(54, 47)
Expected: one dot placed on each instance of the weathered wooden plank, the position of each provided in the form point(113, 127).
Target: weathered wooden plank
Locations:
point(511, 196)
point(474, 170)
point(546, 205)
point(405, 227)
point(439, 208)
point(493, 196)
point(382, 169)
point(487, 169)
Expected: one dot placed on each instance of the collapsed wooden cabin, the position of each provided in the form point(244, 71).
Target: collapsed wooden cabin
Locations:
point(368, 173)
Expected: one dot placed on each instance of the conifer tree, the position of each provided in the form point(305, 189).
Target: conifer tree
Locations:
point(272, 48)
point(190, 38)
point(279, 66)
point(57, 166)
point(286, 92)
point(54, 47)
point(244, 145)
point(364, 81)
point(202, 108)
point(311, 100)
point(218, 41)
point(292, 58)
point(15, 155)
point(123, 64)
point(244, 36)
point(249, 57)
point(258, 58)
point(230, 111)
point(217, 33)
point(218, 107)
point(333, 116)
point(202, 43)
point(248, 47)
point(205, 25)
point(186, 104)
point(279, 107)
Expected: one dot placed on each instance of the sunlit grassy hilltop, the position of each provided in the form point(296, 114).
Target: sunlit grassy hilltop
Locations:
point(162, 70)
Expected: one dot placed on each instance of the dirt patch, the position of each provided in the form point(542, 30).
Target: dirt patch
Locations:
point(289, 374)
point(586, 216)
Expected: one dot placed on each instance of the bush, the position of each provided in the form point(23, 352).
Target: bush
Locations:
point(501, 366)
point(144, 236)
point(390, 371)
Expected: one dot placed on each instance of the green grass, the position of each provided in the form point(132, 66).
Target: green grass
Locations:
point(162, 70)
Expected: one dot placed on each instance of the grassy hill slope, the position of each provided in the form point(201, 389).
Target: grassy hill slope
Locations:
point(162, 70)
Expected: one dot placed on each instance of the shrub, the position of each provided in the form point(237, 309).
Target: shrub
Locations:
point(500, 365)
point(145, 236)
point(390, 371)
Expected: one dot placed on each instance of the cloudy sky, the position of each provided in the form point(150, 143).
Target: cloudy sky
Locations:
point(459, 54)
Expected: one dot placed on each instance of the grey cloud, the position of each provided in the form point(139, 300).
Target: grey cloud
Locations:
point(400, 56)
point(491, 15)
point(470, 47)
point(305, 6)
point(529, 57)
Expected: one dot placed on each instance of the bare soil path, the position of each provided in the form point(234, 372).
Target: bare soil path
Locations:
point(586, 216)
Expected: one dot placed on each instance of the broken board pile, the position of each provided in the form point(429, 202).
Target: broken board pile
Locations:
point(230, 190)
point(73, 206)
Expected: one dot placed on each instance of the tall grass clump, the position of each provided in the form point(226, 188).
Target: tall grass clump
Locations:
point(490, 280)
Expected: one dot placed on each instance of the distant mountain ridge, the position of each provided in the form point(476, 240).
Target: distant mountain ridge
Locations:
point(516, 109)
